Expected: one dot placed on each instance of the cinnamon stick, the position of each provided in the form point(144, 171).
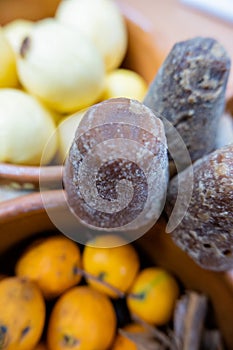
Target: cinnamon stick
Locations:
point(189, 317)
point(212, 340)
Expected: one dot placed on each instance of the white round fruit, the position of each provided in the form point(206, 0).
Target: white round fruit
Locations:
point(61, 67)
point(8, 73)
point(66, 132)
point(16, 31)
point(124, 83)
point(25, 128)
point(102, 22)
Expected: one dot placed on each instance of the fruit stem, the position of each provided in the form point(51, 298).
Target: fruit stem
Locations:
point(87, 275)
point(153, 331)
point(3, 337)
point(143, 294)
point(24, 46)
point(139, 296)
point(70, 341)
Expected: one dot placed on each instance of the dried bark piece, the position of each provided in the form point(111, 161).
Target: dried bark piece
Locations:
point(212, 340)
point(189, 318)
point(117, 171)
point(189, 91)
point(206, 231)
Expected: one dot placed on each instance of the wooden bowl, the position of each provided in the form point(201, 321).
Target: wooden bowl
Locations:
point(25, 216)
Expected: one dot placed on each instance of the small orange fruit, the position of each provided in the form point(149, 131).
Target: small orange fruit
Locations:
point(22, 314)
point(153, 296)
point(52, 263)
point(82, 319)
point(117, 265)
point(123, 343)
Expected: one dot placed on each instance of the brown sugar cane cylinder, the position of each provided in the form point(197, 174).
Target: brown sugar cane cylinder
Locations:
point(189, 92)
point(116, 174)
point(206, 231)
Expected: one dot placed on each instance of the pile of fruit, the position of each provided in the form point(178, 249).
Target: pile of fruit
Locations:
point(56, 67)
point(65, 296)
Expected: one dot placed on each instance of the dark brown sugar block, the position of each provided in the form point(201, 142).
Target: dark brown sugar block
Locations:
point(206, 231)
point(189, 91)
point(116, 173)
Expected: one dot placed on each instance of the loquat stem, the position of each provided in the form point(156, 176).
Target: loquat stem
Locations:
point(87, 275)
point(155, 332)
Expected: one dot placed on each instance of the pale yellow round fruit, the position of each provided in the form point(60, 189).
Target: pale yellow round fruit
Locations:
point(124, 83)
point(66, 132)
point(60, 67)
point(25, 128)
point(102, 22)
point(153, 295)
point(8, 72)
point(15, 31)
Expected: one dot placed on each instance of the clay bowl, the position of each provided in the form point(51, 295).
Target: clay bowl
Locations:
point(26, 216)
